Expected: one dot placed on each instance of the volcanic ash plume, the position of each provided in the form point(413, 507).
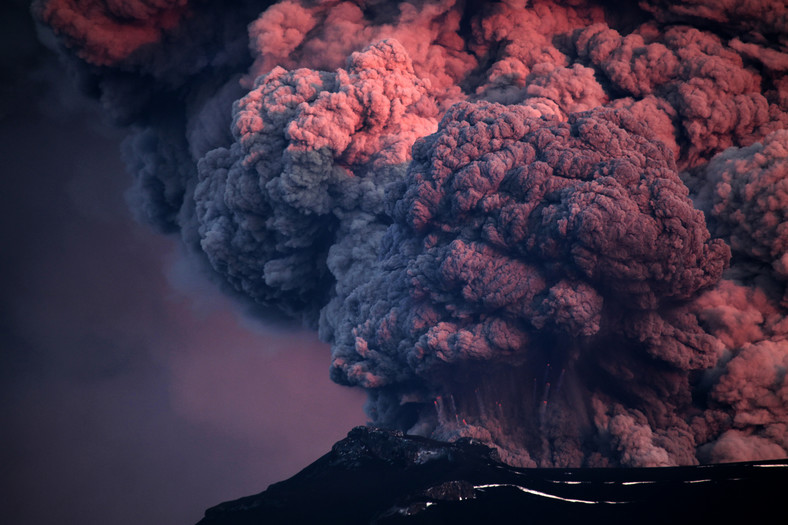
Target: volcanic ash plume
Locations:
point(555, 227)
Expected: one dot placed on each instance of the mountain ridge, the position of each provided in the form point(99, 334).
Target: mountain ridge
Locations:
point(376, 476)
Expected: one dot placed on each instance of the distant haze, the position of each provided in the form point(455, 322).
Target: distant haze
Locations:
point(129, 392)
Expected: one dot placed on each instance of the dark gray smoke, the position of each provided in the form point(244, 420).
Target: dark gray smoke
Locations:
point(558, 227)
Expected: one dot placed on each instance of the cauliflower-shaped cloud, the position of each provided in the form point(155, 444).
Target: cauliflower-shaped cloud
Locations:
point(312, 151)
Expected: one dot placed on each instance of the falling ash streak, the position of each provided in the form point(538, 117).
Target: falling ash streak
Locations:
point(441, 410)
point(560, 381)
point(480, 405)
point(454, 409)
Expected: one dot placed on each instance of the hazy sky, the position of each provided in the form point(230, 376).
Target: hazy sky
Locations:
point(131, 390)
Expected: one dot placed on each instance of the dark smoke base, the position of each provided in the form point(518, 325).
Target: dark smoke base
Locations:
point(381, 477)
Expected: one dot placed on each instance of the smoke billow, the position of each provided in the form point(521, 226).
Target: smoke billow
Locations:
point(556, 226)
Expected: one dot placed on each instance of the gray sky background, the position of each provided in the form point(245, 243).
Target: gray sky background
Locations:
point(132, 391)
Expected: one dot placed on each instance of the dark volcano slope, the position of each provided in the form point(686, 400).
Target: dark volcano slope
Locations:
point(382, 477)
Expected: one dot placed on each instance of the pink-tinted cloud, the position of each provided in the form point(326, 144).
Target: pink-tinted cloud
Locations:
point(106, 33)
point(496, 216)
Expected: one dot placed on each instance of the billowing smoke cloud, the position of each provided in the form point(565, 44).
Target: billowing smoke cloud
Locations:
point(555, 226)
point(301, 189)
